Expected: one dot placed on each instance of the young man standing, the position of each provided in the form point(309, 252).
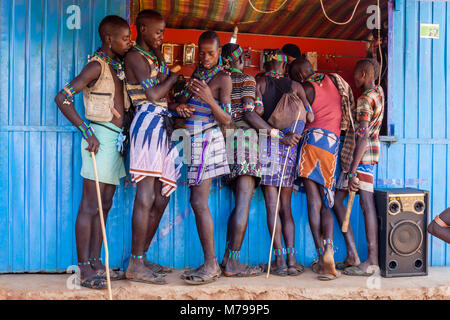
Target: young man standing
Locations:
point(245, 166)
point(105, 102)
point(276, 150)
point(359, 155)
point(209, 95)
point(317, 160)
point(152, 154)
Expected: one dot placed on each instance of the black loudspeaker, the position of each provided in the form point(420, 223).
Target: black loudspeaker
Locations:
point(402, 231)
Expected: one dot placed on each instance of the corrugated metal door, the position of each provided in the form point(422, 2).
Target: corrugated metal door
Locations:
point(420, 93)
point(44, 43)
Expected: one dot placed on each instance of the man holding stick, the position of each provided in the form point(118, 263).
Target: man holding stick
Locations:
point(105, 102)
point(359, 154)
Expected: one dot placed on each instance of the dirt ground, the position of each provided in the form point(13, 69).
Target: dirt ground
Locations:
point(58, 287)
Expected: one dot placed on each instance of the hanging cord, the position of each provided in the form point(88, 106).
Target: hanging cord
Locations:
point(335, 22)
point(273, 11)
point(350, 19)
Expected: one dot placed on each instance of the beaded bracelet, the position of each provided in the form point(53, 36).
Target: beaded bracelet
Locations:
point(86, 131)
point(164, 69)
point(361, 131)
point(352, 175)
point(248, 106)
point(328, 242)
point(308, 109)
point(258, 102)
point(68, 91)
point(290, 250)
point(226, 107)
point(149, 83)
point(275, 133)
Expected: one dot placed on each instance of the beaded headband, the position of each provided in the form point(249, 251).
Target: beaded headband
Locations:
point(278, 57)
point(235, 54)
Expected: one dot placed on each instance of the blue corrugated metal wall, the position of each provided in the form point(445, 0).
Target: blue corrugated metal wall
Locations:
point(420, 95)
point(40, 185)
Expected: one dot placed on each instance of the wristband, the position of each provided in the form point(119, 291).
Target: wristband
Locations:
point(226, 107)
point(68, 91)
point(164, 69)
point(258, 102)
point(308, 109)
point(248, 106)
point(275, 133)
point(86, 131)
point(351, 175)
point(361, 131)
point(149, 83)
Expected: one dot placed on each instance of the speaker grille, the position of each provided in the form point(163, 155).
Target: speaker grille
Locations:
point(406, 238)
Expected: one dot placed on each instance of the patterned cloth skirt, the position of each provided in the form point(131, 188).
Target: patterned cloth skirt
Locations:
point(208, 156)
point(152, 154)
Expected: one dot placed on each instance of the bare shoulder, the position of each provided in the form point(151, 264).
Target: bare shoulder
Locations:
point(92, 67)
point(132, 56)
point(90, 72)
point(223, 76)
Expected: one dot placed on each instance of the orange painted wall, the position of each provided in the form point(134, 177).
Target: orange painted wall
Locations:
point(333, 55)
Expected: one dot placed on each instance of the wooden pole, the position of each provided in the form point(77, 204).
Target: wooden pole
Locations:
point(102, 223)
point(348, 211)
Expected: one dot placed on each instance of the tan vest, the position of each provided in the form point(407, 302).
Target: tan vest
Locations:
point(99, 99)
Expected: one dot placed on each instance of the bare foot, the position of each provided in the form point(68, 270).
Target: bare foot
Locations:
point(328, 261)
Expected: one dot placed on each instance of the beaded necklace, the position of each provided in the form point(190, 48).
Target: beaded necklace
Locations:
point(316, 77)
point(115, 63)
point(231, 70)
point(274, 74)
point(369, 90)
point(159, 65)
point(207, 75)
point(203, 74)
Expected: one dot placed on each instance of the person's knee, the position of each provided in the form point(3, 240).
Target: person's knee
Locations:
point(315, 205)
point(144, 202)
point(88, 207)
point(199, 204)
point(286, 211)
point(240, 221)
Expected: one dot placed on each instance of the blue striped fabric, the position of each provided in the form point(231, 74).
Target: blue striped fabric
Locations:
point(202, 115)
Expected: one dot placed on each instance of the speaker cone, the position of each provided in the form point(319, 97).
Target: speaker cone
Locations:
point(405, 238)
point(394, 207)
point(419, 206)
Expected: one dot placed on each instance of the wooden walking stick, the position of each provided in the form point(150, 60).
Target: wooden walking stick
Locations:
point(278, 200)
point(102, 223)
point(348, 211)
